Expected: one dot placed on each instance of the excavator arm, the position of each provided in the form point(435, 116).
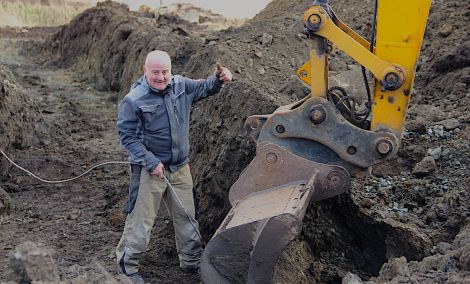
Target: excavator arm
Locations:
point(308, 150)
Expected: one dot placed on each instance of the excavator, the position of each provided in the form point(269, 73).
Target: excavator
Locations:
point(308, 151)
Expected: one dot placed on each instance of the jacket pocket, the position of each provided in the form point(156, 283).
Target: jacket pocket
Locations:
point(150, 116)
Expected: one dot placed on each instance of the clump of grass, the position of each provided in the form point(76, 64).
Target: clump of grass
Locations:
point(35, 15)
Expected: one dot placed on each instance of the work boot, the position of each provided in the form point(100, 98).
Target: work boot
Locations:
point(190, 269)
point(136, 278)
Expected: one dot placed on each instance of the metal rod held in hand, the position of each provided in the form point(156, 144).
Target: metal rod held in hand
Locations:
point(191, 219)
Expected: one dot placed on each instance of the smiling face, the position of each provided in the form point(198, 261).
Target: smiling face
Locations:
point(157, 69)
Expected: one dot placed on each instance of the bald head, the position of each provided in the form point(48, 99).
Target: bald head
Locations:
point(158, 56)
point(157, 69)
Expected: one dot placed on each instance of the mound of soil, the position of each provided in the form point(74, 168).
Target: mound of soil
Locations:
point(408, 207)
point(18, 115)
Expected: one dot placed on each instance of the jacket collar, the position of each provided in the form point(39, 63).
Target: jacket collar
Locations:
point(143, 81)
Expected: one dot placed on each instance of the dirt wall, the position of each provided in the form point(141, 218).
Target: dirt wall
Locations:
point(17, 117)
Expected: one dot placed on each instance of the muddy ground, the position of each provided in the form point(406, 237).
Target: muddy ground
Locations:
point(61, 116)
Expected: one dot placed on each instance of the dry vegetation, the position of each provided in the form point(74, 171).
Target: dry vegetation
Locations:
point(39, 13)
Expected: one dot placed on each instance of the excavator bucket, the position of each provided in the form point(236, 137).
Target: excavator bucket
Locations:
point(268, 208)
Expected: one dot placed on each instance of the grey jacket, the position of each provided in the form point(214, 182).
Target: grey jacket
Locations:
point(142, 111)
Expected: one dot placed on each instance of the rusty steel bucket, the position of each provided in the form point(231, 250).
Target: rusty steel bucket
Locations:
point(268, 208)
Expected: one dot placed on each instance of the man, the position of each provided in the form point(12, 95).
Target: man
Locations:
point(153, 125)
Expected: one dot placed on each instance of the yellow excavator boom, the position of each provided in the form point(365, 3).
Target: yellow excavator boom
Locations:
point(308, 150)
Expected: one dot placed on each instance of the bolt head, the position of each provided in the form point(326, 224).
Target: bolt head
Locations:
point(271, 158)
point(317, 114)
point(384, 147)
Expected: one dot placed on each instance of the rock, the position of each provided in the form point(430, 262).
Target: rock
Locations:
point(464, 259)
point(250, 62)
point(463, 237)
point(261, 71)
point(449, 124)
point(259, 54)
point(393, 268)
point(294, 87)
point(339, 66)
point(426, 166)
point(383, 194)
point(33, 263)
point(350, 80)
point(445, 30)
point(5, 202)
point(366, 202)
point(442, 211)
point(351, 278)
point(429, 113)
point(459, 88)
point(443, 247)
point(438, 131)
point(436, 153)
point(74, 214)
point(301, 36)
point(265, 39)
point(417, 125)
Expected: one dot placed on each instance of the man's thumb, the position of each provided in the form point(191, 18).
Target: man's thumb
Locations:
point(219, 67)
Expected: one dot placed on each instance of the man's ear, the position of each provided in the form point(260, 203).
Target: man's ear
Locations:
point(144, 69)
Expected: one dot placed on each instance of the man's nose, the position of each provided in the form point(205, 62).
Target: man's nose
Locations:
point(160, 77)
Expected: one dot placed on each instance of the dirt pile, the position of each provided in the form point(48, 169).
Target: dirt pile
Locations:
point(400, 211)
point(18, 115)
point(196, 15)
point(449, 265)
point(107, 44)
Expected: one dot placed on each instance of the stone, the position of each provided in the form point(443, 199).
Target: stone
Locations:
point(417, 125)
point(459, 88)
point(294, 87)
point(449, 124)
point(426, 166)
point(301, 36)
point(436, 153)
point(33, 263)
point(259, 54)
point(393, 268)
point(445, 30)
point(366, 202)
point(464, 259)
point(261, 71)
point(351, 80)
point(265, 39)
point(351, 278)
point(383, 194)
point(443, 247)
point(442, 211)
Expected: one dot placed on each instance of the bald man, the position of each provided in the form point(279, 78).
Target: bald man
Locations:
point(153, 125)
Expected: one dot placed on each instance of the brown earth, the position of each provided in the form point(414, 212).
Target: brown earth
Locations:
point(75, 76)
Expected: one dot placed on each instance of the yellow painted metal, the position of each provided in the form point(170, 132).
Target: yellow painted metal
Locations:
point(400, 31)
point(351, 33)
point(318, 67)
point(305, 73)
point(329, 30)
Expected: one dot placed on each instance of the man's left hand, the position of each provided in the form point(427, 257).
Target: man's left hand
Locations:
point(223, 73)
